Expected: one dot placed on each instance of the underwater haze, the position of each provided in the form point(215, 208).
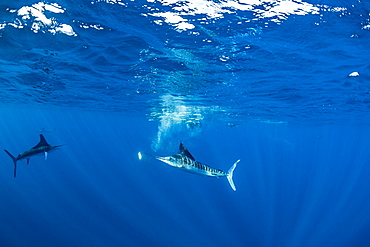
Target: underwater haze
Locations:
point(282, 85)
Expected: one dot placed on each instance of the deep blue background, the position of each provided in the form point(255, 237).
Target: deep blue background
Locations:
point(275, 92)
point(296, 185)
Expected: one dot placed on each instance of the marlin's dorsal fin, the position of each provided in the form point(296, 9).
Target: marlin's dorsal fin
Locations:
point(184, 151)
point(42, 142)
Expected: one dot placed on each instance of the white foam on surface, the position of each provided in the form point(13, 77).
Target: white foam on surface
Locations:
point(35, 17)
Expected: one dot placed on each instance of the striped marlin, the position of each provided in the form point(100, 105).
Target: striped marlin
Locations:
point(183, 160)
point(41, 148)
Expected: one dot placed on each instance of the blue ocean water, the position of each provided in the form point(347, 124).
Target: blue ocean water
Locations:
point(282, 85)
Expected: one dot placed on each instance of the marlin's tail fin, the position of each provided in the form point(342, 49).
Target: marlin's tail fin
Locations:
point(14, 161)
point(230, 175)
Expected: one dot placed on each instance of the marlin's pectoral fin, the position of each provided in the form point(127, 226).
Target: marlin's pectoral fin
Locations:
point(46, 155)
point(28, 161)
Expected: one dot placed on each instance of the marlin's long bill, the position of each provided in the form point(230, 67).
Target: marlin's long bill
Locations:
point(229, 175)
point(140, 155)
